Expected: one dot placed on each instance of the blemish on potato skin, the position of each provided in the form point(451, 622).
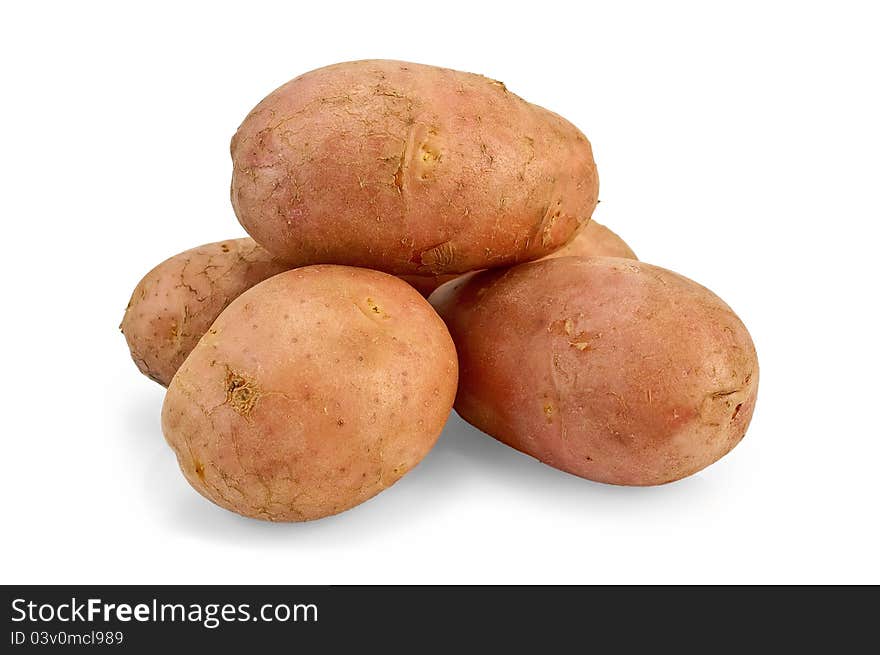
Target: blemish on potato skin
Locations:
point(439, 257)
point(372, 310)
point(580, 341)
point(735, 412)
point(241, 394)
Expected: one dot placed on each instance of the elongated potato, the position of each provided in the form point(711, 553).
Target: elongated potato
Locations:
point(591, 240)
point(312, 392)
point(410, 169)
point(614, 370)
point(176, 302)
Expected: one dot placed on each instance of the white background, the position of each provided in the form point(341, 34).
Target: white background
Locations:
point(738, 146)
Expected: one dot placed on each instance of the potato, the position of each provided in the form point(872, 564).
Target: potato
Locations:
point(426, 284)
point(592, 239)
point(312, 392)
point(409, 169)
point(176, 302)
point(611, 369)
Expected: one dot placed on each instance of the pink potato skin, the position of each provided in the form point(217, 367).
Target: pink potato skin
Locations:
point(176, 302)
point(594, 240)
point(409, 169)
point(427, 284)
point(591, 240)
point(312, 392)
point(610, 369)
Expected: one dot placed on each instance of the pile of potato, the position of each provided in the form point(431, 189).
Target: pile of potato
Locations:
point(306, 371)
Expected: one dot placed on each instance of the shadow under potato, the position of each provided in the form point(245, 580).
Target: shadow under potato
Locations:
point(463, 465)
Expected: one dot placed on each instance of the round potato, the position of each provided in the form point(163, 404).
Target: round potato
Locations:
point(614, 370)
point(176, 302)
point(409, 169)
point(312, 392)
point(591, 240)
